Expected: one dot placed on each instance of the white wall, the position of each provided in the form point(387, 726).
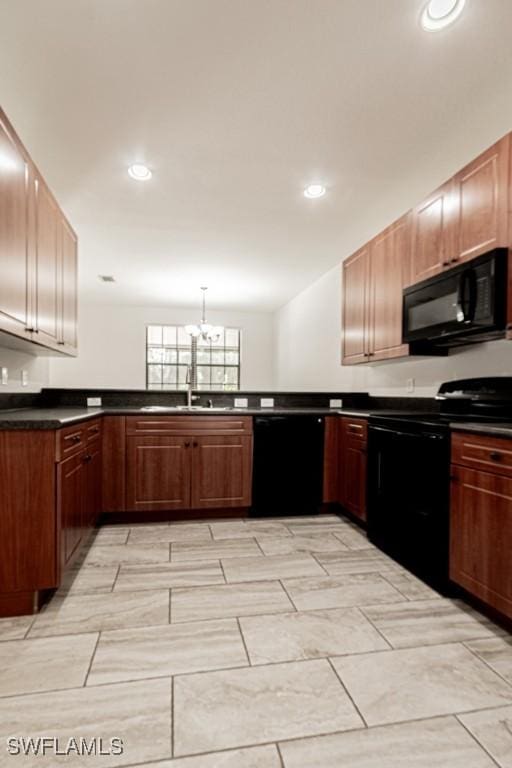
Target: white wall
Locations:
point(308, 352)
point(36, 367)
point(112, 346)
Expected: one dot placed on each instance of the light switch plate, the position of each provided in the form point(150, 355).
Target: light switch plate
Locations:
point(335, 403)
point(24, 377)
point(93, 402)
point(266, 402)
point(5, 375)
point(241, 402)
point(409, 385)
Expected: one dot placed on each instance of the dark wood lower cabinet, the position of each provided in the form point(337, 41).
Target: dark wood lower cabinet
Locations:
point(158, 472)
point(70, 503)
point(481, 536)
point(352, 441)
point(186, 472)
point(50, 498)
point(221, 471)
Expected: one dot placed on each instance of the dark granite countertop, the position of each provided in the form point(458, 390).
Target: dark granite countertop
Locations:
point(55, 418)
point(485, 428)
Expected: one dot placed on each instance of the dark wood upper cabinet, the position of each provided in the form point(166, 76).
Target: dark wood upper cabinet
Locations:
point(221, 471)
point(483, 205)
point(38, 256)
point(433, 242)
point(389, 272)
point(373, 280)
point(68, 288)
point(356, 274)
point(47, 266)
point(14, 235)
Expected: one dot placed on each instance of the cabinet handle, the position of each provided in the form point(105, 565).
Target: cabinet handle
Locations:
point(194, 444)
point(61, 343)
point(495, 456)
point(30, 330)
point(74, 438)
point(445, 263)
point(87, 458)
point(187, 444)
point(454, 260)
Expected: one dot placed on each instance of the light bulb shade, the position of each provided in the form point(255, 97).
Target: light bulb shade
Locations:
point(193, 330)
point(215, 332)
point(206, 328)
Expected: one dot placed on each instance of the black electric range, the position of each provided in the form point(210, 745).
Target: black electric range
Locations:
point(409, 473)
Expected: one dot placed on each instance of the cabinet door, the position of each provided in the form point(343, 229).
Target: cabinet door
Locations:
point(481, 536)
point(92, 494)
point(433, 246)
point(221, 471)
point(68, 287)
point(355, 308)
point(389, 261)
point(158, 473)
point(47, 255)
point(482, 190)
point(14, 223)
point(70, 495)
point(354, 479)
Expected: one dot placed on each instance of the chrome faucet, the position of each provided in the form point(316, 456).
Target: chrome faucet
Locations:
point(190, 385)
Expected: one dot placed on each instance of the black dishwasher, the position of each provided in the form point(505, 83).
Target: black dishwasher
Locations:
point(288, 465)
point(408, 494)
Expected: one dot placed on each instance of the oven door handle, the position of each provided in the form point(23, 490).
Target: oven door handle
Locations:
point(467, 295)
point(397, 433)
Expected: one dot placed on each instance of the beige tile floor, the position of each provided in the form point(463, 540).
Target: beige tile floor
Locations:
point(276, 643)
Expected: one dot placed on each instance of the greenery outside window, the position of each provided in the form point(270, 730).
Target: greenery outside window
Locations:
point(169, 357)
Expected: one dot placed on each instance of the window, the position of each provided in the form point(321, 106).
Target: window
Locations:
point(170, 352)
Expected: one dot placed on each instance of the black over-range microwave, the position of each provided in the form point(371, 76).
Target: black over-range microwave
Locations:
point(463, 305)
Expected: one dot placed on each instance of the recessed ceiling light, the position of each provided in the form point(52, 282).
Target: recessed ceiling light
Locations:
point(440, 13)
point(139, 172)
point(314, 190)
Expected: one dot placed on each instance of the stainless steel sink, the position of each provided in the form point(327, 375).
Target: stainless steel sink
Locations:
point(171, 408)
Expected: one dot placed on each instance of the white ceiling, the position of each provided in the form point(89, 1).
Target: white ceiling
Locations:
point(236, 105)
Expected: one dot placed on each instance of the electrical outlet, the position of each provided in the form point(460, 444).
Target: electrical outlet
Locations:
point(5, 375)
point(335, 403)
point(93, 402)
point(267, 402)
point(409, 384)
point(24, 377)
point(241, 402)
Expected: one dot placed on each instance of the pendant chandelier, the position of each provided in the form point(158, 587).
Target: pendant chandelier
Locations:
point(203, 329)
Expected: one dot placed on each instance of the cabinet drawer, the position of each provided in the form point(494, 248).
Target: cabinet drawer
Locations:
point(93, 430)
point(354, 430)
point(188, 425)
point(70, 440)
point(490, 454)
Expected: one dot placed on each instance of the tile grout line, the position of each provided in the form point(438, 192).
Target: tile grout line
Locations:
point(172, 716)
point(115, 578)
point(472, 735)
point(477, 656)
point(280, 581)
point(329, 660)
point(243, 641)
point(280, 756)
point(86, 679)
point(362, 611)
